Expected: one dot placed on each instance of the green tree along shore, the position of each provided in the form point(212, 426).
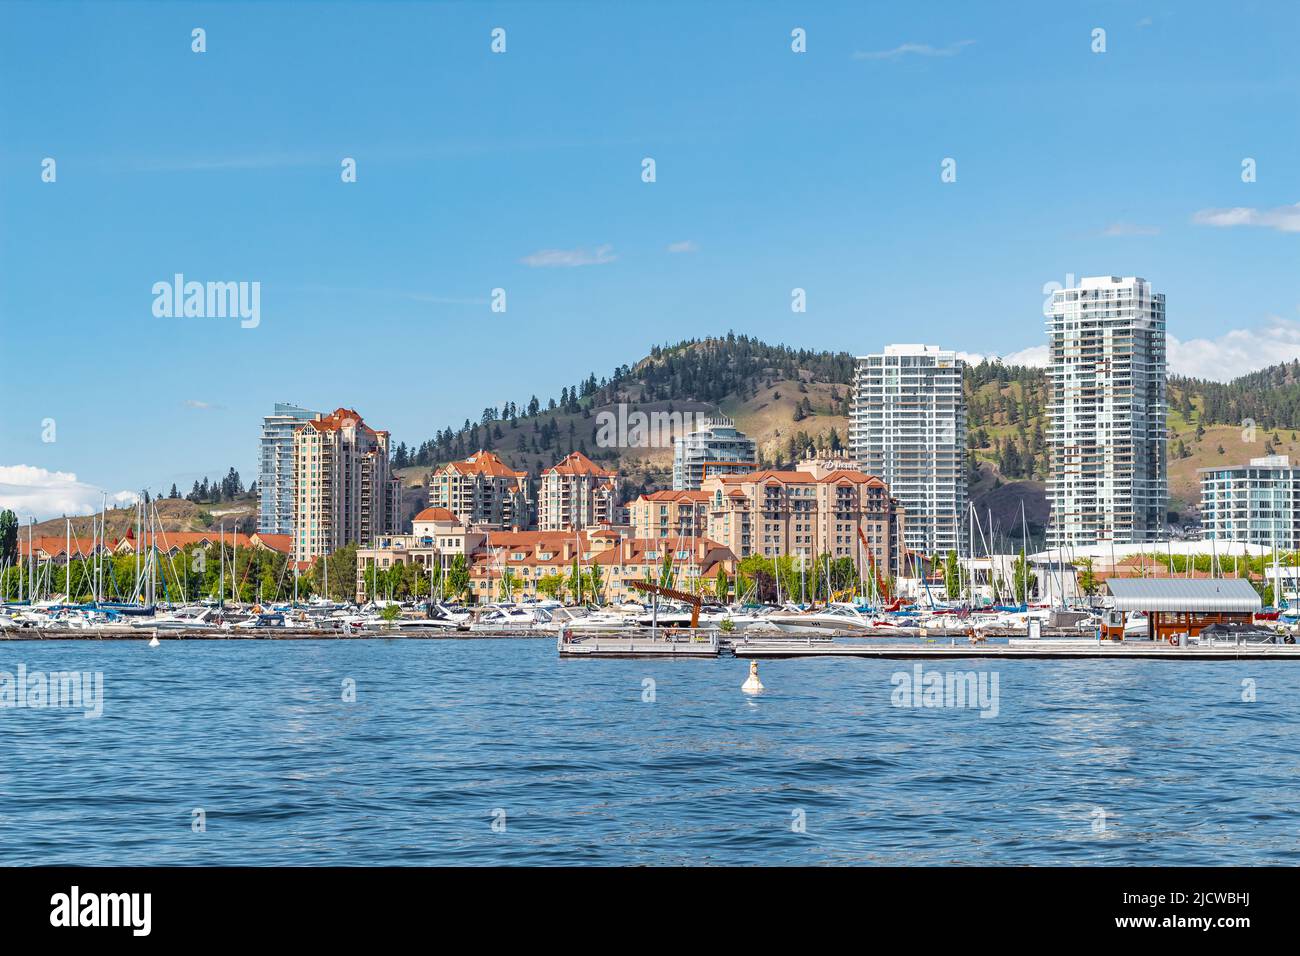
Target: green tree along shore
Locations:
point(193, 574)
point(258, 574)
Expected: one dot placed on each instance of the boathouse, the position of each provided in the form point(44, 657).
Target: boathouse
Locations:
point(1182, 606)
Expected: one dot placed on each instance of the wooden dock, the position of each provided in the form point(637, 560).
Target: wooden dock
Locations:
point(1054, 650)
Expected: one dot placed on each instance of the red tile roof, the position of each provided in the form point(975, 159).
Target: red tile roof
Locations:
point(339, 418)
point(786, 477)
point(485, 463)
point(504, 545)
point(682, 496)
point(576, 463)
point(801, 477)
point(53, 546)
point(169, 540)
point(282, 543)
point(437, 514)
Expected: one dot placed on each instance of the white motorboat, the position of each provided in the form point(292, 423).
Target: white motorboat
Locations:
point(836, 617)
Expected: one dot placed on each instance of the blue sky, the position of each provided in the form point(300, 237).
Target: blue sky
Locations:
point(775, 170)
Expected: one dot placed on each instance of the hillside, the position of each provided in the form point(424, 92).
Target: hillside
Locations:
point(173, 514)
point(789, 398)
point(785, 398)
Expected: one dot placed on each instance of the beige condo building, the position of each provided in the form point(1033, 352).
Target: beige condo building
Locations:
point(576, 493)
point(668, 514)
point(823, 506)
point(343, 490)
point(484, 491)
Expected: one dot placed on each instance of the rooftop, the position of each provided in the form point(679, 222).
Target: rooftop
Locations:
point(1180, 594)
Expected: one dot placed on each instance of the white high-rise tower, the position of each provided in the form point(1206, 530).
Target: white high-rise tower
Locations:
point(1107, 406)
point(908, 426)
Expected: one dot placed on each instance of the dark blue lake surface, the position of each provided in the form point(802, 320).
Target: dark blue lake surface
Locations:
point(445, 733)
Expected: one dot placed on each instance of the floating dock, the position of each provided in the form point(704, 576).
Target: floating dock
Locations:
point(642, 643)
point(1049, 650)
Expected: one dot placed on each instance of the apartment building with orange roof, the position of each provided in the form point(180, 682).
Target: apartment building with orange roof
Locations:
point(692, 563)
point(344, 491)
point(524, 558)
point(576, 493)
point(484, 491)
point(822, 506)
point(664, 514)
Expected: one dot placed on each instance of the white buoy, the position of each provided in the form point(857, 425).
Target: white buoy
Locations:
point(153, 641)
point(752, 684)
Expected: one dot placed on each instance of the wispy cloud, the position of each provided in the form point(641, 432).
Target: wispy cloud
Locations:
point(566, 258)
point(1236, 351)
point(195, 403)
point(912, 49)
point(1145, 22)
point(1130, 229)
point(36, 492)
point(686, 245)
point(1281, 218)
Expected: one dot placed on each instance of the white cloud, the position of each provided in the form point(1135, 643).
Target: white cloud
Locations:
point(1281, 218)
point(915, 49)
point(1034, 355)
point(36, 492)
point(686, 245)
point(570, 257)
point(195, 403)
point(1130, 229)
point(1220, 358)
point(1236, 351)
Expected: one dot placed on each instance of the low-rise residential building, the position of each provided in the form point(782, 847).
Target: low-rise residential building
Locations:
point(576, 493)
point(512, 565)
point(823, 506)
point(437, 536)
point(54, 550)
point(484, 491)
point(666, 514)
point(614, 558)
point(173, 542)
point(714, 448)
point(1255, 503)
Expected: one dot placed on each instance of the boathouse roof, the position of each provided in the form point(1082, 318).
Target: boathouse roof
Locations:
point(1180, 594)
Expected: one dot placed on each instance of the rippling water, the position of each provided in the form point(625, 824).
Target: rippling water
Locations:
point(443, 734)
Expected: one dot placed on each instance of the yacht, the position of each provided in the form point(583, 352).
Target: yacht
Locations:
point(835, 617)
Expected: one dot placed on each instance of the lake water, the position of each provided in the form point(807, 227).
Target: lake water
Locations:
point(496, 752)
